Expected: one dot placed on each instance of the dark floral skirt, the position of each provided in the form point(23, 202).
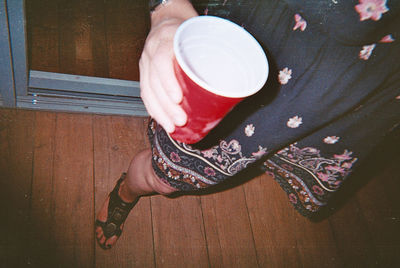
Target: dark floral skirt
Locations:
point(331, 98)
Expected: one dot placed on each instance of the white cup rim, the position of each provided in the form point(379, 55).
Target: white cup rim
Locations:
point(254, 43)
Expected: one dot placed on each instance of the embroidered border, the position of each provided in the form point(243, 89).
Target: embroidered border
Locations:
point(308, 178)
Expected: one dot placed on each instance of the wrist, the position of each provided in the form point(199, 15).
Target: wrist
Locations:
point(171, 9)
point(153, 4)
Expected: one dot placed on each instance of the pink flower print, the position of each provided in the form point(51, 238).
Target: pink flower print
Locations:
point(175, 157)
point(343, 157)
point(294, 122)
point(209, 171)
point(287, 167)
point(347, 165)
point(249, 130)
point(366, 52)
point(283, 151)
point(337, 183)
point(323, 176)
point(208, 153)
point(284, 76)
point(371, 9)
point(271, 174)
point(309, 151)
point(331, 139)
point(233, 147)
point(292, 198)
point(261, 151)
point(387, 39)
point(316, 189)
point(219, 159)
point(300, 23)
point(335, 169)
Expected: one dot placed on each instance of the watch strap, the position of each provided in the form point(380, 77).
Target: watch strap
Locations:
point(153, 4)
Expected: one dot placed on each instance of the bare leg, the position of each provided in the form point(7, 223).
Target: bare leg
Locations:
point(140, 180)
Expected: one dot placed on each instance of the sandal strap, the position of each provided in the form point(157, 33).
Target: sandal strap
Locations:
point(118, 211)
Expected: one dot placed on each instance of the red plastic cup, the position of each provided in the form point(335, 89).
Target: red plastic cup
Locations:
point(217, 64)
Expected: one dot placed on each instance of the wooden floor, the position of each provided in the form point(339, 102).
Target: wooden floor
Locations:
point(56, 169)
point(87, 37)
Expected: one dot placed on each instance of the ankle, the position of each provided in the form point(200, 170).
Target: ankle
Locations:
point(125, 194)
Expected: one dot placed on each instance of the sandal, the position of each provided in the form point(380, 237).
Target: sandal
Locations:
point(117, 213)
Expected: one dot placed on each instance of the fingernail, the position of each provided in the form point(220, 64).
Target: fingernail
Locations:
point(169, 128)
point(180, 120)
point(176, 97)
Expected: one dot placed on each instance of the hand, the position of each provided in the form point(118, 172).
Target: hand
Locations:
point(159, 87)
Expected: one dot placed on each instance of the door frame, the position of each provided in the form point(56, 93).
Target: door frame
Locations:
point(7, 86)
point(26, 88)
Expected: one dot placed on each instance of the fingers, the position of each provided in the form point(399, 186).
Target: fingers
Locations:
point(159, 87)
point(157, 112)
point(151, 103)
point(166, 74)
point(159, 104)
point(171, 109)
point(160, 90)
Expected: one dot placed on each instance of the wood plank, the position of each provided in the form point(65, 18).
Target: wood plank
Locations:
point(273, 220)
point(116, 140)
point(353, 240)
point(98, 38)
point(82, 37)
point(103, 39)
point(228, 229)
point(127, 25)
point(179, 238)
point(73, 204)
point(382, 216)
point(366, 228)
point(43, 35)
point(42, 214)
point(16, 156)
point(315, 242)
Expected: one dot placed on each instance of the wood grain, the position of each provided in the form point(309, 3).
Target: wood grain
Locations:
point(87, 37)
point(116, 140)
point(315, 243)
point(382, 217)
point(76, 42)
point(179, 239)
point(53, 165)
point(228, 229)
point(43, 35)
point(127, 25)
point(42, 214)
point(73, 204)
point(16, 156)
point(352, 237)
point(274, 224)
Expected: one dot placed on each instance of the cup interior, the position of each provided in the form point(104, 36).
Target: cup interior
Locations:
point(221, 56)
